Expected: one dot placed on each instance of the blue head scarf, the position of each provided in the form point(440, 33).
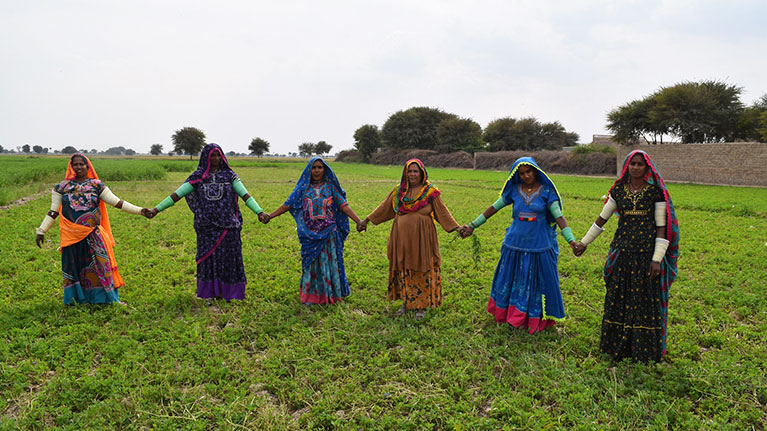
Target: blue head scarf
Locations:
point(311, 242)
point(513, 181)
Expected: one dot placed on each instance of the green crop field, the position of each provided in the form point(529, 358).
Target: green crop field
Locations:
point(167, 360)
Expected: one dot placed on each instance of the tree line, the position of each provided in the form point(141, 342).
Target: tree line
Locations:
point(190, 140)
point(433, 129)
point(706, 111)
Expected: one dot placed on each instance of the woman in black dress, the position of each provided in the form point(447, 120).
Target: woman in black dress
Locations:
point(641, 264)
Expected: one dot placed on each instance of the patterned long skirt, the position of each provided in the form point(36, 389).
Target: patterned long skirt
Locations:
point(87, 272)
point(632, 325)
point(220, 271)
point(321, 281)
point(416, 289)
point(525, 292)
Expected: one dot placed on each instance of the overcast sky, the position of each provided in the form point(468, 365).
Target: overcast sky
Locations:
point(101, 73)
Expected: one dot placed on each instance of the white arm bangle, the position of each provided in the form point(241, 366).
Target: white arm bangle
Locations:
point(660, 213)
point(608, 209)
point(130, 208)
point(55, 201)
point(45, 225)
point(108, 197)
point(592, 234)
point(661, 245)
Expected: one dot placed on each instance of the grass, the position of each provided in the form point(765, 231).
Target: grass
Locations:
point(168, 361)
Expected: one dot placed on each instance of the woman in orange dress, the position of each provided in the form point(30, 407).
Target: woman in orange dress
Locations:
point(413, 248)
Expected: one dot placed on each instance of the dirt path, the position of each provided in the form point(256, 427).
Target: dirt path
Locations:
point(25, 200)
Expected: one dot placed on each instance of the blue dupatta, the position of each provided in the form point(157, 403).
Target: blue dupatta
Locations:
point(311, 242)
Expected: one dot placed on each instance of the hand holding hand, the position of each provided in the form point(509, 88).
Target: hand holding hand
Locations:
point(465, 231)
point(39, 240)
point(264, 217)
point(362, 226)
point(654, 270)
point(146, 212)
point(578, 248)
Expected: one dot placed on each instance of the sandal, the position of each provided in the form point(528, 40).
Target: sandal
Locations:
point(401, 311)
point(420, 314)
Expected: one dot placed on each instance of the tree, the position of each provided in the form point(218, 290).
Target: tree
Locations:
point(509, 134)
point(25, 148)
point(632, 121)
point(707, 111)
point(130, 152)
point(155, 150)
point(498, 134)
point(322, 147)
point(413, 128)
point(555, 136)
point(367, 139)
point(69, 150)
point(2, 149)
point(762, 129)
point(306, 149)
point(258, 146)
point(38, 149)
point(459, 134)
point(188, 140)
point(751, 126)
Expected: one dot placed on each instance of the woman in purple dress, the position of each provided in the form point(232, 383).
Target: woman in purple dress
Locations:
point(211, 192)
point(318, 205)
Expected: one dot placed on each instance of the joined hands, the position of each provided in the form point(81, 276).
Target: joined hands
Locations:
point(149, 213)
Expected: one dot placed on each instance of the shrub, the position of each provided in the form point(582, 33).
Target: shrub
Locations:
point(562, 162)
point(594, 148)
point(460, 159)
point(351, 156)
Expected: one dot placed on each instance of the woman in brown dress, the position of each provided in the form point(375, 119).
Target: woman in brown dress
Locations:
point(413, 248)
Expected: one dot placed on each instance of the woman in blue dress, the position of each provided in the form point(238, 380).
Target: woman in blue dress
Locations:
point(318, 205)
point(525, 291)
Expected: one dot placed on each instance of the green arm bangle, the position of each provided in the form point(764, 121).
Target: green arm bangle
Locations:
point(479, 221)
point(555, 210)
point(567, 234)
point(500, 203)
point(165, 204)
point(184, 190)
point(253, 205)
point(239, 188)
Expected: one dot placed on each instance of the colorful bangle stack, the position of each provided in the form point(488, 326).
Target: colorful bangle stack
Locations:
point(479, 221)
